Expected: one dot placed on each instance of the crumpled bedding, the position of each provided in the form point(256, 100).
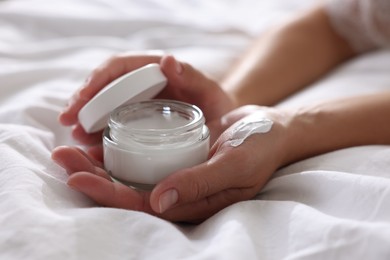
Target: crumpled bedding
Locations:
point(332, 206)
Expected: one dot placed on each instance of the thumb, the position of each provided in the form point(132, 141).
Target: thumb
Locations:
point(196, 183)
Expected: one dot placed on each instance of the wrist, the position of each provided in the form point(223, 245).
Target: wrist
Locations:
point(321, 128)
point(304, 136)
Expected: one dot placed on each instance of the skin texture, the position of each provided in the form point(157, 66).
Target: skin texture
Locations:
point(287, 58)
point(233, 174)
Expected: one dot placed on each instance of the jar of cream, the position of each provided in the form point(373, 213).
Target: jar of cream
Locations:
point(145, 140)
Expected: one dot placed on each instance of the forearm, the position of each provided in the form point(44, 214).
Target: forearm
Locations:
point(286, 59)
point(338, 124)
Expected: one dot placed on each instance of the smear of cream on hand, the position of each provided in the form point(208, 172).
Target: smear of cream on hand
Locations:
point(249, 127)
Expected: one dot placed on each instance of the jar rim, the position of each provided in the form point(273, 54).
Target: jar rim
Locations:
point(193, 112)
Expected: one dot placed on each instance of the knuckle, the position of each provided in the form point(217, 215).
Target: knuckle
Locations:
point(113, 60)
point(93, 74)
point(200, 188)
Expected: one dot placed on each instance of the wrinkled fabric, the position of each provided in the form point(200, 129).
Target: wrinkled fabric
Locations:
point(333, 206)
point(365, 24)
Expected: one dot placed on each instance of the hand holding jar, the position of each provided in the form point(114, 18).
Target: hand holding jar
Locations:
point(230, 174)
point(239, 163)
point(190, 194)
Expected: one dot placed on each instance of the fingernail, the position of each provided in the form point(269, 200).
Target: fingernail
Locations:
point(167, 200)
point(179, 67)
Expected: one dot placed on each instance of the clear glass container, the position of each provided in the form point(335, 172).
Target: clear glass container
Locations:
point(147, 141)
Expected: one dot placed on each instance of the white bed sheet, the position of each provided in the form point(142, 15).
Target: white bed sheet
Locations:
point(333, 206)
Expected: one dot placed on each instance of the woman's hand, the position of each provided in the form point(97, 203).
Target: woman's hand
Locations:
point(184, 84)
point(231, 174)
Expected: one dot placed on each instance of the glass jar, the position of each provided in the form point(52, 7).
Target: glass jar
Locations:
point(147, 141)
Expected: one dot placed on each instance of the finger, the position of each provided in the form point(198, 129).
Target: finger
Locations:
point(110, 194)
point(90, 158)
point(73, 160)
point(198, 211)
point(96, 152)
point(199, 182)
point(100, 77)
point(117, 195)
point(83, 137)
point(69, 115)
point(187, 84)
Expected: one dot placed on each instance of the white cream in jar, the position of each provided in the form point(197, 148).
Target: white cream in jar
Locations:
point(145, 141)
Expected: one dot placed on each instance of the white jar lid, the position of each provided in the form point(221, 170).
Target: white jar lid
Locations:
point(135, 86)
